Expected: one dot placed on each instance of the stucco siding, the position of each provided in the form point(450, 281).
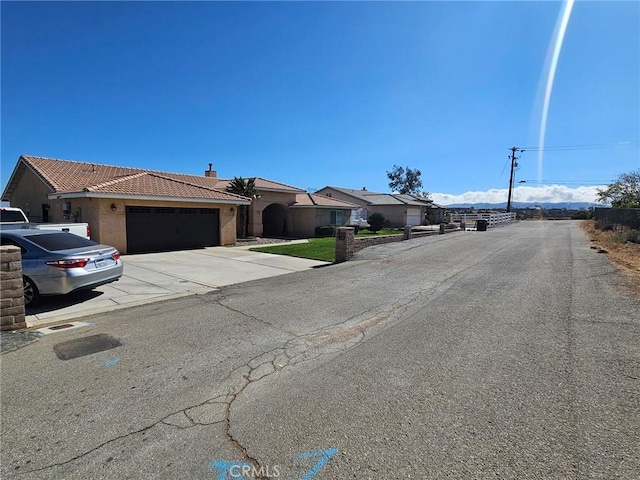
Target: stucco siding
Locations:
point(395, 214)
point(30, 194)
point(305, 220)
point(330, 192)
point(257, 207)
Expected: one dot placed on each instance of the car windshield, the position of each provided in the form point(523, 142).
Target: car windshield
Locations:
point(11, 216)
point(59, 241)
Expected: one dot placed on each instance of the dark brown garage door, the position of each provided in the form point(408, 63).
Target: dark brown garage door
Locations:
point(155, 229)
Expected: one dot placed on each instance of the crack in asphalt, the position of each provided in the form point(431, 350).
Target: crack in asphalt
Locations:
point(257, 368)
point(252, 317)
point(77, 457)
point(328, 340)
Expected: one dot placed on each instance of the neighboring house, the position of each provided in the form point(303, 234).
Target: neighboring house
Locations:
point(398, 209)
point(280, 210)
point(139, 210)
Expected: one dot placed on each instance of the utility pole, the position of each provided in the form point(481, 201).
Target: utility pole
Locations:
point(514, 164)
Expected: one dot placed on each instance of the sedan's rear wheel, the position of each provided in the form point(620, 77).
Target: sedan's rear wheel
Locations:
point(31, 294)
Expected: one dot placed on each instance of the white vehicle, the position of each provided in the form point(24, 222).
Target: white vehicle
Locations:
point(358, 219)
point(12, 218)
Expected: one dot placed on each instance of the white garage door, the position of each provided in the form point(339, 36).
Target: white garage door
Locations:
point(413, 217)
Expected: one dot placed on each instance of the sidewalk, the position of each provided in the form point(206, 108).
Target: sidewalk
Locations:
point(153, 277)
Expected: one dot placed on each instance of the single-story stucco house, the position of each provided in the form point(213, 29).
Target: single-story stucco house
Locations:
point(280, 210)
point(398, 209)
point(139, 210)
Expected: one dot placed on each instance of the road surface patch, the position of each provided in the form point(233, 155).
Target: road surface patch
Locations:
point(81, 347)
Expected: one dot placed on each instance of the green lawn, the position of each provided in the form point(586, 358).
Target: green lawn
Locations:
point(384, 231)
point(317, 249)
point(323, 249)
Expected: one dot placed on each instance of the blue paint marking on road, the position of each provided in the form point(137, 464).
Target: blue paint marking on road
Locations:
point(325, 456)
point(236, 469)
point(225, 467)
point(111, 363)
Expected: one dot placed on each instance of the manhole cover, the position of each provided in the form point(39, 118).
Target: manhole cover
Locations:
point(85, 346)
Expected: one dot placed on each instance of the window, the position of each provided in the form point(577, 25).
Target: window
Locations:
point(12, 242)
point(59, 241)
point(335, 217)
point(11, 216)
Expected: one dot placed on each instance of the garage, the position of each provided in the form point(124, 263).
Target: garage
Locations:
point(154, 229)
point(414, 217)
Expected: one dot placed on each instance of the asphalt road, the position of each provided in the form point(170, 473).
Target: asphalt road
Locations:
point(512, 353)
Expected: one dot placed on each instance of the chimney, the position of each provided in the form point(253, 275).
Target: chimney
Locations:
point(364, 189)
point(210, 173)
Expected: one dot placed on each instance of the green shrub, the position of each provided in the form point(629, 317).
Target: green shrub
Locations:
point(326, 231)
point(632, 236)
point(376, 222)
point(581, 215)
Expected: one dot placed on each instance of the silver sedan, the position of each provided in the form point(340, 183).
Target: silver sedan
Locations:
point(57, 263)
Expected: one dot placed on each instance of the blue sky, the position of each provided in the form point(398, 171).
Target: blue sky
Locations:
point(327, 93)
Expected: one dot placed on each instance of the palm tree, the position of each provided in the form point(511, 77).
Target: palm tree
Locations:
point(247, 188)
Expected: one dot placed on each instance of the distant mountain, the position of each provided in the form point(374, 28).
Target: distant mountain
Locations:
point(496, 206)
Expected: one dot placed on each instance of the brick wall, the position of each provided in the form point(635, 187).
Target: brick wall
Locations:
point(11, 293)
point(364, 242)
point(347, 244)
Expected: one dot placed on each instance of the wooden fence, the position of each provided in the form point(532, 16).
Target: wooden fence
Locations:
point(493, 219)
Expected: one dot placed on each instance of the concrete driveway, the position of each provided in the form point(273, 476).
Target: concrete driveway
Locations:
point(153, 277)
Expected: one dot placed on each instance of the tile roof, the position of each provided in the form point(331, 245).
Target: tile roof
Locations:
point(264, 184)
point(371, 198)
point(410, 199)
point(317, 200)
point(67, 176)
point(152, 184)
point(377, 198)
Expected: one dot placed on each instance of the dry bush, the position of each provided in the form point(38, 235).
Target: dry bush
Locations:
point(623, 254)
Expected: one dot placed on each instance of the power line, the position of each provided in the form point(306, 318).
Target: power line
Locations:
point(566, 147)
point(563, 182)
point(590, 146)
point(505, 167)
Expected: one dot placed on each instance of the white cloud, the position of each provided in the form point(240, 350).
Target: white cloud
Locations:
point(542, 194)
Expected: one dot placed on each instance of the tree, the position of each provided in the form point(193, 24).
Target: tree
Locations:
point(405, 180)
point(622, 193)
point(247, 188)
point(376, 222)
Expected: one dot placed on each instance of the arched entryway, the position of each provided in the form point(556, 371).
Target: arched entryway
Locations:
point(274, 221)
